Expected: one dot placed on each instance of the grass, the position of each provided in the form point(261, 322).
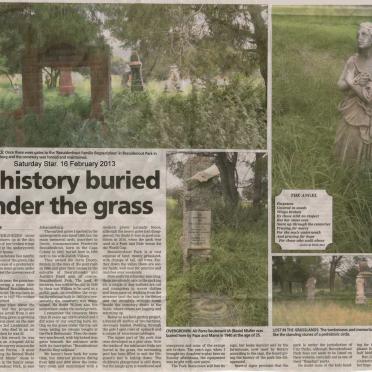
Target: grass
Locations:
point(329, 10)
point(309, 53)
point(10, 100)
point(318, 313)
point(195, 118)
point(237, 269)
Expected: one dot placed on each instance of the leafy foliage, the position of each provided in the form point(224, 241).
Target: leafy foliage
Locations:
point(203, 40)
point(45, 25)
point(230, 116)
point(65, 123)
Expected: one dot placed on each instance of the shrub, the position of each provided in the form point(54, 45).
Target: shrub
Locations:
point(229, 116)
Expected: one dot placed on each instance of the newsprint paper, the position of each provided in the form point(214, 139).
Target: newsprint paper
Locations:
point(186, 186)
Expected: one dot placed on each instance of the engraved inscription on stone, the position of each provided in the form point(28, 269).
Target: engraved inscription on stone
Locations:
point(199, 229)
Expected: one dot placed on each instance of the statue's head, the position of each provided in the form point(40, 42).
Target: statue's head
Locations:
point(364, 36)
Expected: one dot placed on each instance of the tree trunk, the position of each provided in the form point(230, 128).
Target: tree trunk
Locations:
point(52, 77)
point(227, 166)
point(257, 183)
point(335, 261)
point(260, 37)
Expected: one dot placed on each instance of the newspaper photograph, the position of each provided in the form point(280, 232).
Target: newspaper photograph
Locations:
point(185, 187)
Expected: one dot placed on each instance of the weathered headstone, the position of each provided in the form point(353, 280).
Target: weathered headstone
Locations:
point(310, 288)
point(368, 286)
point(360, 297)
point(363, 284)
point(66, 88)
point(135, 65)
point(173, 83)
point(199, 173)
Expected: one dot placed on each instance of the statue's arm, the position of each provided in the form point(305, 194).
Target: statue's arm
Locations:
point(361, 92)
point(343, 83)
point(347, 82)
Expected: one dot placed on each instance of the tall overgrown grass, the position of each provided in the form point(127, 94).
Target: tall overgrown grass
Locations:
point(309, 53)
point(228, 116)
point(326, 313)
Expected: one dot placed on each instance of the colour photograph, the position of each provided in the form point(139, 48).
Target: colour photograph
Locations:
point(321, 128)
point(217, 239)
point(133, 75)
point(322, 290)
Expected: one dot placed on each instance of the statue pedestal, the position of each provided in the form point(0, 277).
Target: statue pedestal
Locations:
point(360, 300)
point(360, 284)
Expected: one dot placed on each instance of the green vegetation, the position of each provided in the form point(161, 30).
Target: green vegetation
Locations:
point(334, 292)
point(238, 267)
point(229, 116)
point(223, 61)
point(326, 313)
point(308, 56)
point(324, 10)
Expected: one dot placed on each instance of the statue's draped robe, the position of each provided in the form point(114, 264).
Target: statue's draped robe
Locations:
point(354, 134)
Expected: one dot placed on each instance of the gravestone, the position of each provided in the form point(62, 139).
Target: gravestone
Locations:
point(66, 88)
point(135, 65)
point(310, 288)
point(199, 173)
point(368, 286)
point(173, 83)
point(363, 287)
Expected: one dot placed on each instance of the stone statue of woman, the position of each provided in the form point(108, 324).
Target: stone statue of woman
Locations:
point(354, 135)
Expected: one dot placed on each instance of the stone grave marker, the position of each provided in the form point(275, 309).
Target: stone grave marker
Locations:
point(199, 173)
point(135, 65)
point(363, 287)
point(66, 88)
point(310, 288)
point(173, 83)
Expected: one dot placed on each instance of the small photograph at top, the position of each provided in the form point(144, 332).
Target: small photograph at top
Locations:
point(133, 75)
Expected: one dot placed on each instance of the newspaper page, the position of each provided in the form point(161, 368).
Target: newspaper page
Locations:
point(185, 187)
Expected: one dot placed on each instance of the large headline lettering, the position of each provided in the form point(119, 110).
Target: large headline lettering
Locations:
point(62, 205)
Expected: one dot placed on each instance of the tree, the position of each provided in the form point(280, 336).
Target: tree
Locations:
point(52, 77)
point(288, 270)
point(259, 180)
point(226, 163)
point(29, 25)
point(203, 40)
point(260, 37)
point(334, 264)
